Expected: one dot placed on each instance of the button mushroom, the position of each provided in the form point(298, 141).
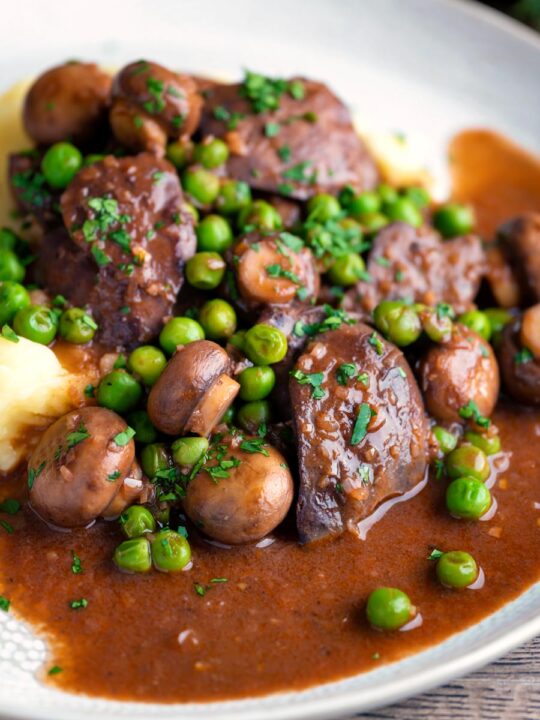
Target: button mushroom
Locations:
point(243, 491)
point(152, 104)
point(194, 390)
point(360, 426)
point(518, 358)
point(456, 372)
point(274, 269)
point(79, 468)
point(68, 102)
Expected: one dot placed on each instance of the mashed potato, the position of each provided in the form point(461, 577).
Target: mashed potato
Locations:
point(34, 390)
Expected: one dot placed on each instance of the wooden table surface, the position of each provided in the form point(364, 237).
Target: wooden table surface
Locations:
point(508, 689)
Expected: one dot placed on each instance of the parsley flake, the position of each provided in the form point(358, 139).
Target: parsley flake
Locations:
point(77, 436)
point(34, 473)
point(124, 437)
point(471, 411)
point(9, 334)
point(435, 554)
point(363, 418)
point(76, 566)
point(4, 603)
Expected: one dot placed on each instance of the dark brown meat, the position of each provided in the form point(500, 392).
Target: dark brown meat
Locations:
point(325, 151)
point(416, 264)
point(519, 239)
point(290, 211)
point(127, 223)
point(519, 370)
point(68, 102)
point(361, 443)
point(30, 192)
point(152, 104)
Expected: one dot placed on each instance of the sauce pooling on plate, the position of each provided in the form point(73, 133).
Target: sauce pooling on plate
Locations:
point(294, 414)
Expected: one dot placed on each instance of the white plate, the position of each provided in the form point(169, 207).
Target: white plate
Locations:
point(428, 67)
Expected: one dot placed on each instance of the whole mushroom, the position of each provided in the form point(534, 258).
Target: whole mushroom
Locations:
point(519, 357)
point(83, 467)
point(67, 102)
point(152, 105)
point(245, 501)
point(194, 391)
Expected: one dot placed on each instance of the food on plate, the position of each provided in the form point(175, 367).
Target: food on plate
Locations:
point(256, 387)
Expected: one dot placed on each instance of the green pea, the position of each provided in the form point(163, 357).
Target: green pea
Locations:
point(445, 439)
point(489, 444)
point(477, 321)
point(154, 458)
point(60, 164)
point(467, 498)
point(170, 551)
point(228, 416)
point(437, 327)
point(214, 234)
point(202, 185)
point(418, 195)
point(252, 415)
point(205, 270)
point(179, 153)
point(212, 154)
point(457, 569)
point(453, 219)
point(145, 432)
point(189, 450)
point(387, 193)
point(259, 215)
point(13, 297)
point(398, 322)
point(467, 460)
point(234, 195)
point(11, 267)
point(498, 319)
point(323, 207)
point(218, 319)
point(76, 326)
point(147, 362)
point(237, 339)
point(256, 383)
point(133, 555)
point(179, 331)
point(92, 158)
point(265, 344)
point(389, 608)
point(37, 323)
point(347, 270)
point(404, 210)
point(137, 520)
point(374, 222)
point(8, 239)
point(119, 391)
point(364, 205)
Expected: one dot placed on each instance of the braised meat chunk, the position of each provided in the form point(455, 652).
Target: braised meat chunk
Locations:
point(415, 264)
point(360, 428)
point(125, 217)
point(293, 138)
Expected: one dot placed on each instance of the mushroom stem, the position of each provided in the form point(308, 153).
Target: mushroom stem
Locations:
point(213, 405)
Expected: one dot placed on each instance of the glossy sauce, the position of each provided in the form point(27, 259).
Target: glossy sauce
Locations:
point(288, 616)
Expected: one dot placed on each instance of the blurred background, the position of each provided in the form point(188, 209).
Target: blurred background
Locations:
point(527, 11)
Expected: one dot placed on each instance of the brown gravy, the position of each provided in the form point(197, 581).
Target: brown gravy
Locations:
point(288, 616)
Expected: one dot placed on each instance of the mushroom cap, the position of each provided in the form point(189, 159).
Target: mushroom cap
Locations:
point(77, 467)
point(521, 380)
point(249, 503)
point(189, 375)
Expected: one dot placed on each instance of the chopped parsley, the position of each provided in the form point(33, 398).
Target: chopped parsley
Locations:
point(285, 188)
point(377, 343)
point(284, 153)
point(363, 418)
point(256, 445)
point(346, 371)
point(100, 257)
point(199, 589)
point(10, 506)
point(124, 437)
point(271, 129)
point(59, 301)
point(334, 319)
point(313, 379)
point(9, 334)
point(435, 554)
point(277, 271)
point(439, 469)
point(78, 604)
point(113, 476)
point(365, 475)
point(7, 527)
point(333, 238)
point(32, 187)
point(89, 391)
point(76, 566)
point(382, 261)
point(232, 119)
point(77, 436)
point(4, 603)
point(471, 411)
point(298, 172)
point(55, 670)
point(444, 310)
point(219, 580)
point(34, 473)
point(523, 356)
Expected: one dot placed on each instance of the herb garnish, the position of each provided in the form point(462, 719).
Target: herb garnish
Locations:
point(55, 670)
point(77, 436)
point(277, 271)
point(271, 129)
point(34, 473)
point(472, 411)
point(435, 554)
point(313, 379)
point(333, 320)
point(113, 476)
point(4, 603)
point(78, 604)
point(523, 356)
point(89, 391)
point(10, 506)
point(256, 445)
point(124, 437)
point(346, 371)
point(376, 342)
point(363, 418)
point(76, 566)
point(9, 334)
